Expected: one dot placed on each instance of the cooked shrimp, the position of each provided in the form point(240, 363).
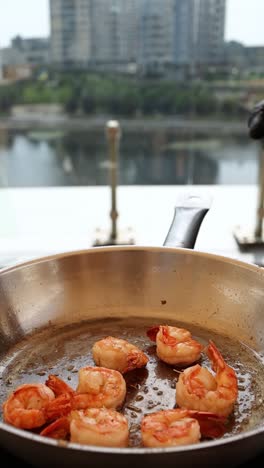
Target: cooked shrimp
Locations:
point(63, 403)
point(99, 426)
point(175, 345)
point(179, 427)
point(26, 407)
point(93, 426)
point(198, 389)
point(98, 387)
point(118, 354)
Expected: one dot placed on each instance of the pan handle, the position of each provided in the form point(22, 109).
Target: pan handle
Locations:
point(187, 220)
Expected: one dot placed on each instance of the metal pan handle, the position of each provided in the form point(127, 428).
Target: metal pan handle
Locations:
point(188, 217)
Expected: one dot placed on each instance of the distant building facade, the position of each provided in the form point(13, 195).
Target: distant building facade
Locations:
point(70, 23)
point(243, 60)
point(29, 51)
point(199, 31)
point(184, 32)
point(23, 55)
point(148, 33)
point(94, 32)
point(115, 31)
point(156, 33)
point(209, 30)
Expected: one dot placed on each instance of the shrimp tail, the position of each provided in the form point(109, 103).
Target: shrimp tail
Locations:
point(152, 332)
point(59, 429)
point(58, 386)
point(212, 425)
point(215, 357)
point(212, 429)
point(61, 406)
point(135, 360)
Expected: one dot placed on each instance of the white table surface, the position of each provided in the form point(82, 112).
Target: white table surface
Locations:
point(41, 221)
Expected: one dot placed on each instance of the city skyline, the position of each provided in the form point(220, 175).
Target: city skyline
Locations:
point(244, 20)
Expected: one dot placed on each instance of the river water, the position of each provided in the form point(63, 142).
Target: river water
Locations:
point(60, 158)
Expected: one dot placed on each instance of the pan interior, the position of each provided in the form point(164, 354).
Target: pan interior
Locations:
point(63, 351)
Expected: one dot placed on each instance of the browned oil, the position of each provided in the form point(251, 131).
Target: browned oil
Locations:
point(64, 351)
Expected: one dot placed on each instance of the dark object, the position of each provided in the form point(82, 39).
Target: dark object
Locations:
point(256, 121)
point(249, 241)
point(53, 308)
point(245, 238)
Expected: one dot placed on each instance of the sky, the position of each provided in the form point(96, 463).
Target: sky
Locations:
point(30, 18)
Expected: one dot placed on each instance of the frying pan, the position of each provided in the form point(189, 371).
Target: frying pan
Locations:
point(54, 308)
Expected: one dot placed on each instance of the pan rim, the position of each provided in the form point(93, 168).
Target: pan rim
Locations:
point(93, 250)
point(210, 445)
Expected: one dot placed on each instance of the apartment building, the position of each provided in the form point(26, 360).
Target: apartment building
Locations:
point(115, 31)
point(184, 31)
point(93, 32)
point(199, 31)
point(149, 33)
point(209, 33)
point(156, 32)
point(71, 42)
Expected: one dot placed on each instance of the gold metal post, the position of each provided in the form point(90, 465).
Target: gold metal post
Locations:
point(113, 135)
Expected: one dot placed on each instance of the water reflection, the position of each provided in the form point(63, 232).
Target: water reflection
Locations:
point(154, 158)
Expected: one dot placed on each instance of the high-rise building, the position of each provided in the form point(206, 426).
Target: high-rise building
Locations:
point(185, 13)
point(107, 24)
point(210, 26)
point(156, 32)
point(199, 31)
point(130, 29)
point(181, 32)
point(151, 33)
point(115, 31)
point(88, 32)
point(71, 32)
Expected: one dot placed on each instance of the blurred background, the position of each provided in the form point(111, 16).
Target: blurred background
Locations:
point(179, 75)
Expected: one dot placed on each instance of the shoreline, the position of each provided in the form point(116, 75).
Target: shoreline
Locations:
point(200, 127)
